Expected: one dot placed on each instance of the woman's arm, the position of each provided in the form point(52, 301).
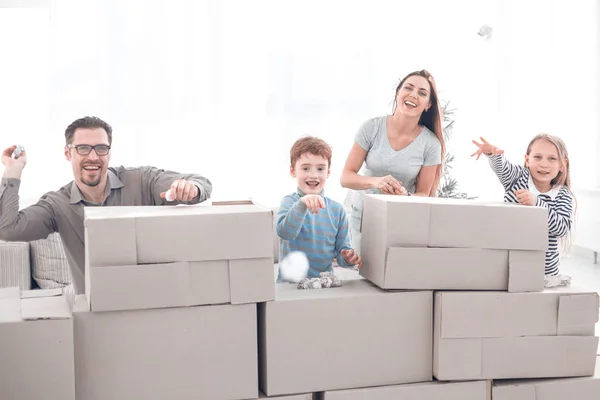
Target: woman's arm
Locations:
point(350, 178)
point(425, 180)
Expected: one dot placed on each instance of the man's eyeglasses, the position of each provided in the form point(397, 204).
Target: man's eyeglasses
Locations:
point(86, 149)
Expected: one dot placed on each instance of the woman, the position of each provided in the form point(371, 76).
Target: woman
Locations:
point(402, 153)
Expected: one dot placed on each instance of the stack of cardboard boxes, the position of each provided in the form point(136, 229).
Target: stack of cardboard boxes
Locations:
point(497, 322)
point(480, 269)
point(170, 306)
point(181, 304)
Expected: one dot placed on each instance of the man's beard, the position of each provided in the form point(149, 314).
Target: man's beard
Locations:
point(93, 181)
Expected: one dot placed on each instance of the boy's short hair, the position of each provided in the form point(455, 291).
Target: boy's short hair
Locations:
point(312, 145)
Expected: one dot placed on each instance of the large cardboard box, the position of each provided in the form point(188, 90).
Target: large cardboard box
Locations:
point(36, 346)
point(432, 243)
point(500, 335)
point(205, 352)
point(153, 257)
point(352, 336)
point(549, 389)
point(475, 390)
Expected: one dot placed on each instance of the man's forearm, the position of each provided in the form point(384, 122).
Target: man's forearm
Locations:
point(12, 173)
point(35, 222)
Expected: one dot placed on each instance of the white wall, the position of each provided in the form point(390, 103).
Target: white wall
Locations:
point(223, 88)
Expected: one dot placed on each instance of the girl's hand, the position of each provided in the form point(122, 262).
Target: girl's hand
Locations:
point(525, 197)
point(485, 148)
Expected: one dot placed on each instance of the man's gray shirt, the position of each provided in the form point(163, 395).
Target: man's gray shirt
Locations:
point(62, 211)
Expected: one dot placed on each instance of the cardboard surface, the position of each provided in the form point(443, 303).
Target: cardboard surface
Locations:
point(587, 388)
point(356, 335)
point(500, 335)
point(169, 353)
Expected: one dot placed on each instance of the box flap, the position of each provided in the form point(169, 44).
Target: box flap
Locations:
point(10, 305)
point(37, 293)
point(55, 307)
point(251, 280)
point(526, 270)
point(577, 310)
point(105, 231)
point(148, 286)
point(514, 391)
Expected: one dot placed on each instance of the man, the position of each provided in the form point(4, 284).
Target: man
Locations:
point(88, 143)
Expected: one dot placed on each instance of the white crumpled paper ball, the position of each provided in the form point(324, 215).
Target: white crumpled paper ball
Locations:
point(294, 266)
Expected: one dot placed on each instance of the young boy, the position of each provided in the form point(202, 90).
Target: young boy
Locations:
point(308, 221)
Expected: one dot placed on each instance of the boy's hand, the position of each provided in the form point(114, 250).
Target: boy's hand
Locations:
point(485, 148)
point(313, 202)
point(525, 197)
point(351, 257)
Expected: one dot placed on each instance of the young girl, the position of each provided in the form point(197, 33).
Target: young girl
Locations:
point(544, 181)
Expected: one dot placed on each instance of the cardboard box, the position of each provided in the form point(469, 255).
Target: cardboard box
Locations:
point(352, 336)
point(415, 243)
point(549, 389)
point(154, 257)
point(36, 346)
point(206, 352)
point(500, 335)
point(474, 390)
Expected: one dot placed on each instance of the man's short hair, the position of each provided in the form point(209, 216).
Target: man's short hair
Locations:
point(87, 122)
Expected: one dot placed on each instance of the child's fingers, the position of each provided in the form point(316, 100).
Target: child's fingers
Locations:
point(476, 143)
point(313, 206)
point(321, 202)
point(316, 204)
point(350, 256)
